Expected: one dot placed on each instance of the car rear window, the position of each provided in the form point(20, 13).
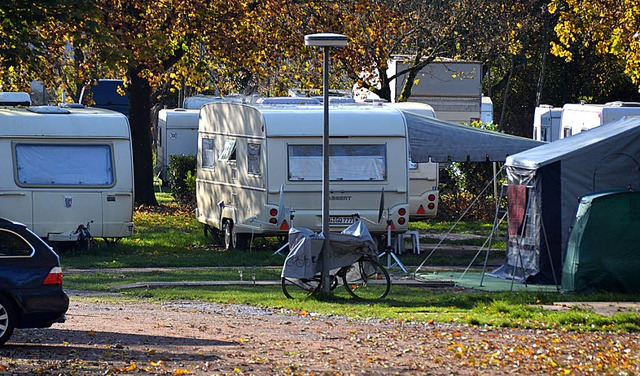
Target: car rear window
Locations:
point(14, 245)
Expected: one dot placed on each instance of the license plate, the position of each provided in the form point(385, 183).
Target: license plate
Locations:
point(340, 221)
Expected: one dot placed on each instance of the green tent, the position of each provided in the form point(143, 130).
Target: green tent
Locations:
point(603, 252)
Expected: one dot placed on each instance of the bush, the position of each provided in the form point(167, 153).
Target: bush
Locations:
point(462, 184)
point(182, 179)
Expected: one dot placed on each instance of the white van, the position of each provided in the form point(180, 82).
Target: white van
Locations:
point(259, 169)
point(65, 168)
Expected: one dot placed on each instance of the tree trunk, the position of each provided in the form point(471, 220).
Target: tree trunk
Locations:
point(140, 123)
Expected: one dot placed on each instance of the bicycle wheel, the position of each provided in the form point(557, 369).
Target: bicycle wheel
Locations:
point(294, 288)
point(366, 279)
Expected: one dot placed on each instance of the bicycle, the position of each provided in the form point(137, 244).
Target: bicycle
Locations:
point(366, 279)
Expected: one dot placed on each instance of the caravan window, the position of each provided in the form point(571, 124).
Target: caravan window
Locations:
point(229, 152)
point(346, 162)
point(208, 153)
point(253, 159)
point(64, 165)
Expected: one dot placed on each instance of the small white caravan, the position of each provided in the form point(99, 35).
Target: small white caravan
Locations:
point(547, 123)
point(177, 135)
point(577, 118)
point(424, 178)
point(260, 169)
point(65, 168)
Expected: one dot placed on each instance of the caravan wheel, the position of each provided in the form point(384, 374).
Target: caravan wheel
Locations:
point(229, 235)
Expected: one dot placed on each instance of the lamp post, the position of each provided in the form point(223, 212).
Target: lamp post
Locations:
point(326, 41)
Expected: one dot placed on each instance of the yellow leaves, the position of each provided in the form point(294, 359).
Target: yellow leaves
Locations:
point(560, 51)
point(181, 371)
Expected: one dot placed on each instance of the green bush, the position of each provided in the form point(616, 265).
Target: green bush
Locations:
point(182, 179)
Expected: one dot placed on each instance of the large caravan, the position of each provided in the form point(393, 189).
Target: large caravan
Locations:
point(547, 123)
point(177, 135)
point(66, 169)
point(577, 118)
point(423, 177)
point(260, 169)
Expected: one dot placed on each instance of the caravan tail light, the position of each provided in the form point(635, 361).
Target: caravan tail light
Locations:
point(431, 206)
point(54, 277)
point(273, 212)
point(432, 197)
point(402, 211)
point(401, 221)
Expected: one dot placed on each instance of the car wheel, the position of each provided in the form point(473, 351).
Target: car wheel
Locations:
point(7, 319)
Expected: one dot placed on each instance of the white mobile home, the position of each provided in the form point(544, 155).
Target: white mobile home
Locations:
point(582, 117)
point(66, 167)
point(259, 169)
point(177, 135)
point(452, 87)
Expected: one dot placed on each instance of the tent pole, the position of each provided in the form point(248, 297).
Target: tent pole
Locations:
point(451, 229)
point(546, 242)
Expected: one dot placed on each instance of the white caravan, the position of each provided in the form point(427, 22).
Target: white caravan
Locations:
point(581, 117)
point(424, 178)
point(259, 169)
point(547, 123)
point(65, 168)
point(177, 135)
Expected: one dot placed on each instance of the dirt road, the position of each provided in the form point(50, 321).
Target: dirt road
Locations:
point(103, 336)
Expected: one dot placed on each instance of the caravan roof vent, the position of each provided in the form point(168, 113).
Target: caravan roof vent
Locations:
point(622, 104)
point(15, 99)
point(49, 110)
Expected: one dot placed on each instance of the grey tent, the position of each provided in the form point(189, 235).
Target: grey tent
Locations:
point(435, 140)
point(603, 252)
point(545, 185)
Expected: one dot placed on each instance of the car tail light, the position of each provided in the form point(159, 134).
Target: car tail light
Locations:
point(54, 277)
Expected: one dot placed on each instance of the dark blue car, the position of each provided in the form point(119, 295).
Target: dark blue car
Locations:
point(31, 294)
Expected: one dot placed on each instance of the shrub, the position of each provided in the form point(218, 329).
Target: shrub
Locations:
point(182, 179)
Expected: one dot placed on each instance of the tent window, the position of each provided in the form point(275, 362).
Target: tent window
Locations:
point(12, 245)
point(346, 162)
point(566, 132)
point(208, 153)
point(64, 165)
point(253, 159)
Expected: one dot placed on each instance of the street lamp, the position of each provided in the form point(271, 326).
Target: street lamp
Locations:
point(326, 41)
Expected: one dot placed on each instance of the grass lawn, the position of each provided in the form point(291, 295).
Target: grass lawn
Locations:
point(171, 237)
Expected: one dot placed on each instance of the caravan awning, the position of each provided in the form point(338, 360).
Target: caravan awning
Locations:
point(435, 140)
